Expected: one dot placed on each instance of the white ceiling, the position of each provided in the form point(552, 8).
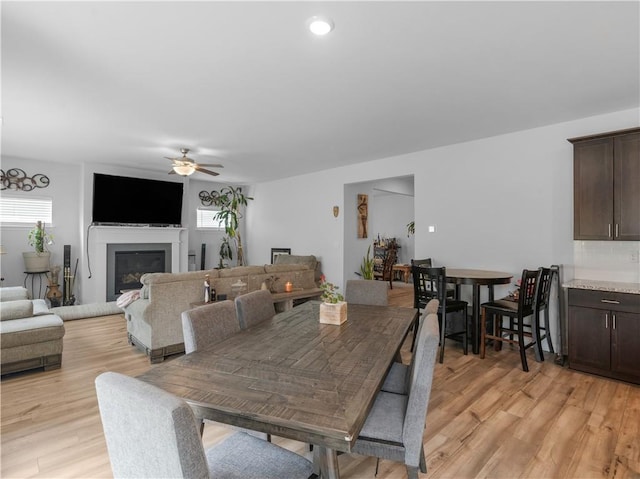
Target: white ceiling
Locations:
point(246, 85)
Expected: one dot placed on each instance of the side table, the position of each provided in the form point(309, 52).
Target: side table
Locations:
point(404, 269)
point(35, 275)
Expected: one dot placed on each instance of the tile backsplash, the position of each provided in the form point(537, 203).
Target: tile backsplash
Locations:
point(607, 260)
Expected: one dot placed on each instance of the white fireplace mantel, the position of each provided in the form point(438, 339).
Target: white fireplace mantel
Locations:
point(94, 288)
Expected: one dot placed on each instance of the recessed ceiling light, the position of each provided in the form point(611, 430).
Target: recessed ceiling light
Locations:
point(320, 25)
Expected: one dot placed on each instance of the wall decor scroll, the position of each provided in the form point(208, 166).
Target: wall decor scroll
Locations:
point(363, 213)
point(17, 179)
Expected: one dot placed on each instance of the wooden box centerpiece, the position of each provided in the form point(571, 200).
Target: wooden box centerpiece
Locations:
point(333, 313)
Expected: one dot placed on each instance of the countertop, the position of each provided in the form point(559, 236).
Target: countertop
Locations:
point(631, 288)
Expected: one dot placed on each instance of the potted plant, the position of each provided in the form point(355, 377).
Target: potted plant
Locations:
point(231, 200)
point(37, 261)
point(366, 268)
point(333, 309)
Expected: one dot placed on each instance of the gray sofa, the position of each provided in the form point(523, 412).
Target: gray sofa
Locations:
point(154, 321)
point(30, 335)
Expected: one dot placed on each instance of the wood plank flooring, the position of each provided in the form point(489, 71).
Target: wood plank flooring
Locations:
point(487, 418)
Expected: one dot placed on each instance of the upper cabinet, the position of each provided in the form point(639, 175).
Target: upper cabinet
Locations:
point(606, 186)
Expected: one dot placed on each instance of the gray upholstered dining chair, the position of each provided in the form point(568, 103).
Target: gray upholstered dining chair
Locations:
point(208, 324)
point(399, 375)
point(363, 291)
point(255, 307)
point(151, 433)
point(395, 425)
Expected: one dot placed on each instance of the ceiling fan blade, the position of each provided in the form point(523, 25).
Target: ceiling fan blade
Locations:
point(202, 170)
point(208, 164)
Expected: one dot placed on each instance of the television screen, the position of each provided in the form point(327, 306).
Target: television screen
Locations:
point(120, 200)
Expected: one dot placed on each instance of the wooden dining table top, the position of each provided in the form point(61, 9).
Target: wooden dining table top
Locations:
point(291, 375)
point(477, 276)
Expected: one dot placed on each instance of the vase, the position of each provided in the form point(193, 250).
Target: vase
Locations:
point(54, 295)
point(36, 262)
point(333, 313)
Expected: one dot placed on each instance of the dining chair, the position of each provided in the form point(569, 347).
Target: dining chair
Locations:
point(151, 433)
point(543, 294)
point(430, 283)
point(395, 425)
point(399, 375)
point(364, 291)
point(208, 324)
point(255, 307)
point(516, 312)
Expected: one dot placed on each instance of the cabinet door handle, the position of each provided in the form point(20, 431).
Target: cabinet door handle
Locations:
point(609, 301)
point(613, 316)
point(617, 230)
point(606, 320)
point(609, 235)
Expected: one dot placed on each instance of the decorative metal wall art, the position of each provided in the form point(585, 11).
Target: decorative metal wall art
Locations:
point(17, 179)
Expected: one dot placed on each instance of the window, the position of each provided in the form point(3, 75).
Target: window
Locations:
point(205, 219)
point(25, 211)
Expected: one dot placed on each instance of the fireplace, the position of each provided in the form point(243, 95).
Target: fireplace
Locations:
point(126, 263)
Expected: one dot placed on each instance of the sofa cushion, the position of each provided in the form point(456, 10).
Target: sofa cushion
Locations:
point(13, 293)
point(22, 308)
point(279, 268)
point(37, 329)
point(155, 278)
point(241, 271)
point(309, 260)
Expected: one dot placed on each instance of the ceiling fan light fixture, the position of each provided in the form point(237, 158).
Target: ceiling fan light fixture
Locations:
point(320, 25)
point(184, 170)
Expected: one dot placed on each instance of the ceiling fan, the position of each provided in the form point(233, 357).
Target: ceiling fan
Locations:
point(185, 166)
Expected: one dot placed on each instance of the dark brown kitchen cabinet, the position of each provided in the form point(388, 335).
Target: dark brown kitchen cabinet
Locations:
point(604, 333)
point(606, 197)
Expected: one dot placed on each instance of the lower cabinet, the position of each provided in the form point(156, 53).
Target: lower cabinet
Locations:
point(604, 333)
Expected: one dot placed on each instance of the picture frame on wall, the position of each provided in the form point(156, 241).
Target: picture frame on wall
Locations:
point(277, 251)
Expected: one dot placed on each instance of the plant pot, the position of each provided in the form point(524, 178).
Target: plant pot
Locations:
point(333, 313)
point(36, 262)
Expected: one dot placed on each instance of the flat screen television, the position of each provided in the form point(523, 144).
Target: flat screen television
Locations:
point(121, 200)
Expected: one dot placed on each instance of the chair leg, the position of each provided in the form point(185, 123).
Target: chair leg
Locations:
point(483, 333)
point(547, 331)
point(423, 462)
point(521, 345)
point(443, 318)
point(535, 332)
point(412, 472)
point(497, 331)
point(416, 324)
point(465, 345)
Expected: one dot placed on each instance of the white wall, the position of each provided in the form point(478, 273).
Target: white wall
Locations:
point(502, 203)
point(63, 189)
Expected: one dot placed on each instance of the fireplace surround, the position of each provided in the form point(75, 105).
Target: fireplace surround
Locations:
point(94, 285)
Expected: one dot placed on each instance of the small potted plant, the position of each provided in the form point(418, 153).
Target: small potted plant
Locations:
point(37, 261)
point(333, 309)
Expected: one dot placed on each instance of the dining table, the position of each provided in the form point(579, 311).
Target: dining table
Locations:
point(294, 377)
point(477, 278)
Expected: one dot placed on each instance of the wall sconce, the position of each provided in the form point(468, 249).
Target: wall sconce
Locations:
point(336, 211)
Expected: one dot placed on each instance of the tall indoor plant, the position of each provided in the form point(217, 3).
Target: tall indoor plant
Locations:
point(231, 201)
point(37, 261)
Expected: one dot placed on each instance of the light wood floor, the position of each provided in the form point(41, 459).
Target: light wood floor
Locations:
point(486, 418)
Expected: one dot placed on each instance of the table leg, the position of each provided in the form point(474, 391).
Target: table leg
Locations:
point(326, 461)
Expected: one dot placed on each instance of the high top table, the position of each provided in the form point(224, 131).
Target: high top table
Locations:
point(477, 278)
point(293, 377)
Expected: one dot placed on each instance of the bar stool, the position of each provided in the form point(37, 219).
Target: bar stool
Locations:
point(516, 312)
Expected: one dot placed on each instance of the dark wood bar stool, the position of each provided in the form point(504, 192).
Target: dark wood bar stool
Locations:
point(431, 283)
point(516, 312)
